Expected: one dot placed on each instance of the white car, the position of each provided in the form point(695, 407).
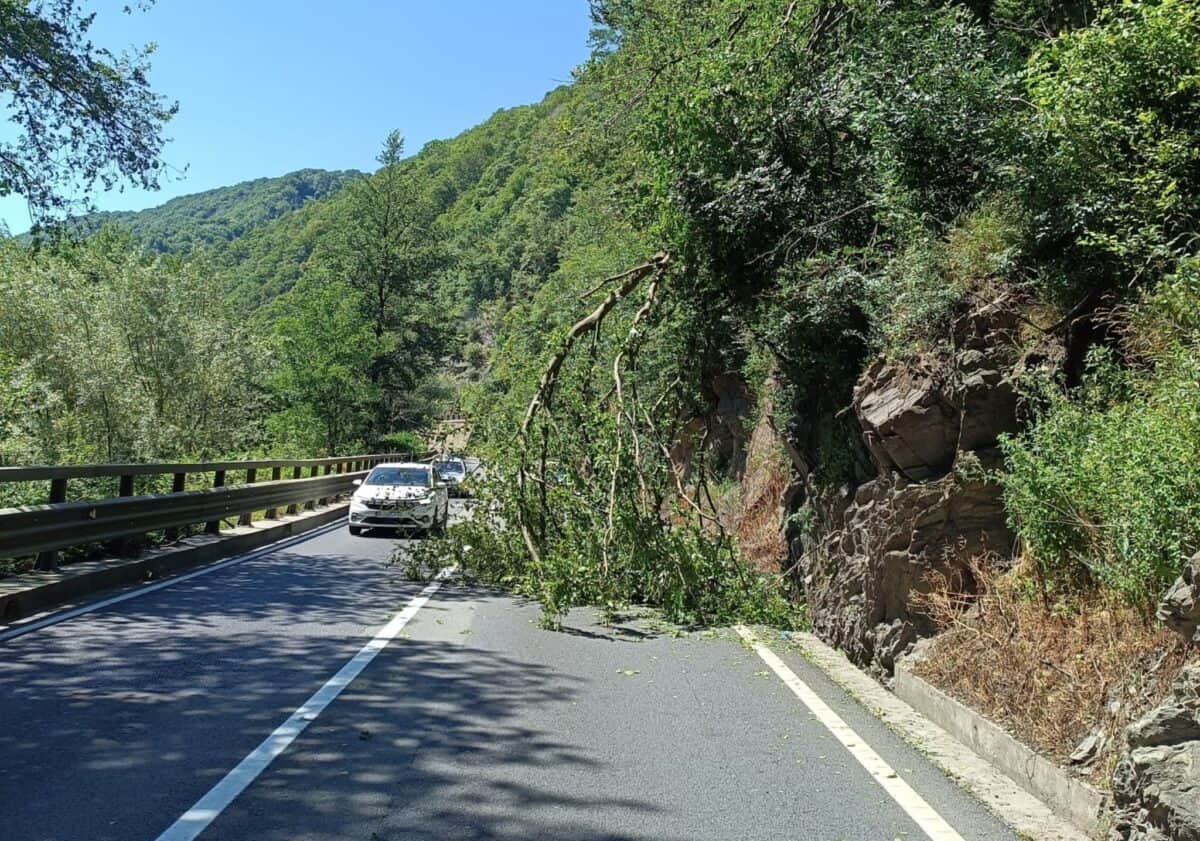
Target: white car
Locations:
point(453, 471)
point(400, 496)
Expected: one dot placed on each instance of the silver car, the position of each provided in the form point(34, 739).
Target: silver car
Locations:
point(404, 495)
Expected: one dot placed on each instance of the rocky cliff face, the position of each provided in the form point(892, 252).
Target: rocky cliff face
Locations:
point(1156, 786)
point(922, 433)
point(928, 426)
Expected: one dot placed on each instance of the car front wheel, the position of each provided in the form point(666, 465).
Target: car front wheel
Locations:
point(355, 531)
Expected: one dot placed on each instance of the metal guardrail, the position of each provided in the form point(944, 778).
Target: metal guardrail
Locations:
point(58, 524)
point(41, 473)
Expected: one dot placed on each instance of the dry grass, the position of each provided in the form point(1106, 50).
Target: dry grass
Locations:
point(759, 518)
point(1050, 673)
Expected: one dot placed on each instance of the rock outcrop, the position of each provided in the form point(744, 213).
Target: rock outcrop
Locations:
point(922, 435)
point(928, 425)
point(1156, 786)
point(1180, 607)
point(909, 419)
point(861, 578)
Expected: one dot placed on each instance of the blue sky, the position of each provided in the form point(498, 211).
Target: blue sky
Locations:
point(267, 86)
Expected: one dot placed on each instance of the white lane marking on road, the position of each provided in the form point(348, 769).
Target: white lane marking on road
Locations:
point(36, 625)
point(924, 815)
point(196, 819)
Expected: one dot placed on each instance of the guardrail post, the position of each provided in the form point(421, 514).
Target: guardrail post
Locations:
point(325, 500)
point(272, 513)
point(248, 517)
point(312, 474)
point(178, 486)
point(126, 545)
point(293, 508)
point(214, 526)
point(58, 493)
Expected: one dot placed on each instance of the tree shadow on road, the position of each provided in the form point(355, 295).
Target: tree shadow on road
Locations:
point(437, 740)
point(137, 711)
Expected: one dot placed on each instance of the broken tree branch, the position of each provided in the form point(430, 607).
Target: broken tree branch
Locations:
point(592, 321)
point(629, 281)
point(631, 344)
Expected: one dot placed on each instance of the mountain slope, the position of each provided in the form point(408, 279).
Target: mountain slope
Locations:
point(186, 223)
point(497, 193)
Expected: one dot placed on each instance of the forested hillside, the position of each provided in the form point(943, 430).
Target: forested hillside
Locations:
point(941, 258)
point(360, 309)
point(490, 195)
point(184, 224)
point(843, 187)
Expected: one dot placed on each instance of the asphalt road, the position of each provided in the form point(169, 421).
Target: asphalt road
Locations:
point(470, 723)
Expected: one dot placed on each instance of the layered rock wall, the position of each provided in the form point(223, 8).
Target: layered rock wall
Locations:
point(924, 432)
point(930, 426)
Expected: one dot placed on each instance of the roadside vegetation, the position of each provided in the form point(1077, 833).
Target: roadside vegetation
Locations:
point(1066, 676)
point(825, 182)
point(1104, 489)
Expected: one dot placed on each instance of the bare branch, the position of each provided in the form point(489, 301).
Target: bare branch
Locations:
point(629, 281)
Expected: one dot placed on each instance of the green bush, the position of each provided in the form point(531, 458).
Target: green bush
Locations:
point(914, 303)
point(1105, 487)
point(1111, 154)
point(403, 441)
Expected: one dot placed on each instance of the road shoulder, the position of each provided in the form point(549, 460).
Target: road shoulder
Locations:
point(1003, 797)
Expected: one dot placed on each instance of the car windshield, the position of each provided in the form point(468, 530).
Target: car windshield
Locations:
point(450, 467)
point(411, 476)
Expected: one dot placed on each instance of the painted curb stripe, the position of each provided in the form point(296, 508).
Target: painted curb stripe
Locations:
point(924, 815)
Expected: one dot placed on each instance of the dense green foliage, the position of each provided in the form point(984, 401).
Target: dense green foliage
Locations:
point(81, 116)
point(1105, 488)
point(107, 356)
point(1114, 149)
point(185, 224)
point(322, 348)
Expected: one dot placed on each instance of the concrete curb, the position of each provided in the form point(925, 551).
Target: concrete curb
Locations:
point(24, 595)
point(1069, 798)
point(1028, 815)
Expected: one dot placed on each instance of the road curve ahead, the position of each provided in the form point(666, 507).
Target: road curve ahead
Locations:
point(460, 720)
